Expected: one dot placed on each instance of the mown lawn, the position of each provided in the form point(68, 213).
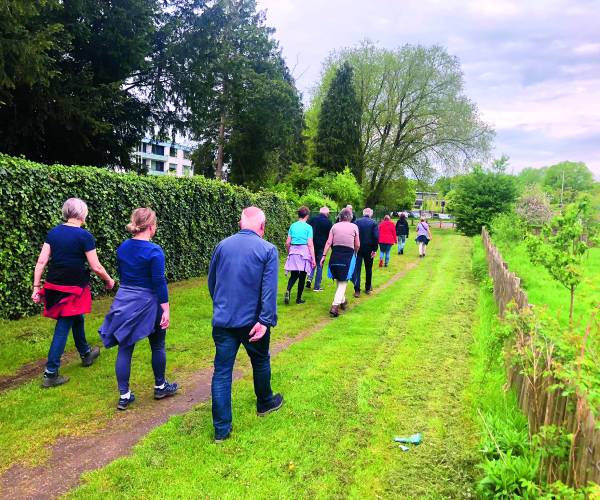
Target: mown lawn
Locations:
point(397, 364)
point(543, 289)
point(32, 418)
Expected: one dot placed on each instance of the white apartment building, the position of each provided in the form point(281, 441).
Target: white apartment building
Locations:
point(164, 158)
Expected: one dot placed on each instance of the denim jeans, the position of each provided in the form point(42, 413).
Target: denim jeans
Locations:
point(159, 360)
point(401, 242)
point(368, 260)
point(227, 343)
point(59, 341)
point(384, 252)
point(318, 271)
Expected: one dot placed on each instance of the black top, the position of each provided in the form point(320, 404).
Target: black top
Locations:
point(321, 226)
point(402, 228)
point(368, 232)
point(68, 246)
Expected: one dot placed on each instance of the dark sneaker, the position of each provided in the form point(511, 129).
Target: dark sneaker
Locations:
point(357, 294)
point(166, 391)
point(300, 301)
point(368, 292)
point(308, 283)
point(334, 312)
point(53, 380)
point(90, 357)
point(286, 299)
point(125, 402)
point(343, 305)
point(277, 403)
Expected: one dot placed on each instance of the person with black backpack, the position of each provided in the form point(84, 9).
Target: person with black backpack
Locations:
point(402, 231)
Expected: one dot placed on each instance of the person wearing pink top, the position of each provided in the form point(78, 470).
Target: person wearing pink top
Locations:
point(387, 239)
point(423, 237)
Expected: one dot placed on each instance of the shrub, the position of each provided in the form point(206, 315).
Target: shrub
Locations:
point(194, 214)
point(479, 197)
point(507, 228)
point(533, 206)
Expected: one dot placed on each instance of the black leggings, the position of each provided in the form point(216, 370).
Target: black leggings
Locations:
point(299, 276)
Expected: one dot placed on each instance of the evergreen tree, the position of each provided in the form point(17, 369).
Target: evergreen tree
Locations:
point(337, 142)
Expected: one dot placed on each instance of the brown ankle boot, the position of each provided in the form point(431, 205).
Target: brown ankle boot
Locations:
point(334, 312)
point(343, 305)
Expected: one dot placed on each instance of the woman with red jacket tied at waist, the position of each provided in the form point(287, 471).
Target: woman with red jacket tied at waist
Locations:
point(66, 292)
point(387, 239)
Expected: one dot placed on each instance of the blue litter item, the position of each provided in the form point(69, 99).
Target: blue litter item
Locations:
point(415, 439)
point(404, 448)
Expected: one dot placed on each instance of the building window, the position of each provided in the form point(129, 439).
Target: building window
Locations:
point(158, 166)
point(187, 171)
point(186, 155)
point(172, 167)
point(158, 150)
point(173, 151)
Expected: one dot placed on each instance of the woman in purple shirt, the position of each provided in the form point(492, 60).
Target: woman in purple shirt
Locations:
point(423, 236)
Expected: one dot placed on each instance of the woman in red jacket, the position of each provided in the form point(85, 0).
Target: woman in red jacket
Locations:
point(387, 239)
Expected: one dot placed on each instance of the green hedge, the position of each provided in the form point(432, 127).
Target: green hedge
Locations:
point(194, 215)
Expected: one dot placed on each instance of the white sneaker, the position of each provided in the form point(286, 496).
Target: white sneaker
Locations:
point(318, 290)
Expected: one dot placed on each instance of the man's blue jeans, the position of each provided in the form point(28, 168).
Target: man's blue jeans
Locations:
point(227, 343)
point(318, 271)
point(59, 341)
point(401, 242)
point(368, 260)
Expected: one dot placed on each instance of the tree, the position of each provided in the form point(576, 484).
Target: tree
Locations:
point(337, 142)
point(81, 110)
point(577, 179)
point(534, 207)
point(414, 114)
point(340, 187)
point(239, 98)
point(399, 195)
point(529, 176)
point(500, 165)
point(479, 197)
point(561, 246)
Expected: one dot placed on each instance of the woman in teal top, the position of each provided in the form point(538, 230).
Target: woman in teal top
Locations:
point(301, 254)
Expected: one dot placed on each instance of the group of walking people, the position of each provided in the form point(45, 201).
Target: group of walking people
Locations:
point(352, 242)
point(242, 281)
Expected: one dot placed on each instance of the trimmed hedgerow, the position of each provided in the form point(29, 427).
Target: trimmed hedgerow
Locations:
point(194, 215)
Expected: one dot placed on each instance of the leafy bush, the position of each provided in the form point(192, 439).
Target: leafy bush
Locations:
point(341, 187)
point(194, 214)
point(315, 200)
point(479, 197)
point(508, 228)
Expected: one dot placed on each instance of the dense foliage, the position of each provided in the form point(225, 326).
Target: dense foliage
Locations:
point(337, 143)
point(479, 197)
point(194, 214)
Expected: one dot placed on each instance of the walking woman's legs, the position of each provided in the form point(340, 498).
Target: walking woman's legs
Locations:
point(79, 335)
point(388, 249)
point(421, 248)
point(123, 367)
point(301, 282)
point(59, 341)
point(294, 275)
point(340, 293)
point(159, 355)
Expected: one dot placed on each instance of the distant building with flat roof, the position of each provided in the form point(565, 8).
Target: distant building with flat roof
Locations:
point(164, 158)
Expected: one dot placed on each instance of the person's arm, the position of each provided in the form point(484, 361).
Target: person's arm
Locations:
point(394, 233)
point(92, 258)
point(159, 285)
point(327, 246)
point(429, 230)
point(212, 272)
point(356, 241)
point(40, 265)
point(375, 235)
point(311, 247)
point(288, 243)
point(268, 309)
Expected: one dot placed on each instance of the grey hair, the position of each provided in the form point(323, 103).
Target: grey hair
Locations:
point(324, 210)
point(346, 215)
point(74, 208)
point(368, 212)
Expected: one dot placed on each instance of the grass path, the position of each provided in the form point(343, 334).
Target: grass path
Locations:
point(397, 364)
point(33, 420)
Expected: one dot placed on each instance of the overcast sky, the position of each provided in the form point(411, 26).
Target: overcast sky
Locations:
point(532, 67)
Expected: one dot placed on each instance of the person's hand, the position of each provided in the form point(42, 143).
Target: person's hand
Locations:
point(35, 296)
point(258, 332)
point(165, 320)
point(373, 253)
point(314, 263)
point(322, 260)
point(110, 284)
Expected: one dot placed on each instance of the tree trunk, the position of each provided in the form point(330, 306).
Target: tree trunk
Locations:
point(220, 147)
point(571, 306)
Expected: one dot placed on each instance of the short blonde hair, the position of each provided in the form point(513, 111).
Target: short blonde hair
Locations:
point(141, 219)
point(74, 208)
